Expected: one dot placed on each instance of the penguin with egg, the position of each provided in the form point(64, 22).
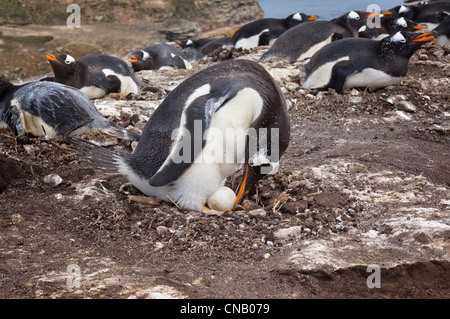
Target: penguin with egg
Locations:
point(228, 116)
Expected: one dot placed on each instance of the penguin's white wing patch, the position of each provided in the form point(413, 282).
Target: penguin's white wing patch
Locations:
point(251, 42)
point(363, 28)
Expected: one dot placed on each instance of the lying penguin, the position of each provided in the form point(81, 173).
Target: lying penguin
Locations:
point(388, 26)
point(229, 115)
point(94, 74)
point(364, 63)
point(302, 41)
point(265, 31)
point(431, 13)
point(52, 109)
point(157, 56)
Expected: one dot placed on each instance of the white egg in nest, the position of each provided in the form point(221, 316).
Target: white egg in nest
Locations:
point(222, 199)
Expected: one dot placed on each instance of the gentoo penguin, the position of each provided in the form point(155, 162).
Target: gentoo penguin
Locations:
point(443, 32)
point(95, 74)
point(207, 45)
point(52, 109)
point(302, 41)
point(157, 56)
point(229, 115)
point(388, 26)
point(359, 62)
point(432, 13)
point(194, 43)
point(265, 31)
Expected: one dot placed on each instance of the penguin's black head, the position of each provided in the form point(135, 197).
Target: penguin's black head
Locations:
point(5, 85)
point(405, 43)
point(141, 60)
point(186, 44)
point(395, 24)
point(403, 11)
point(62, 64)
point(296, 18)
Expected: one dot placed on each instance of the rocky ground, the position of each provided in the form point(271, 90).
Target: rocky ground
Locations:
point(364, 187)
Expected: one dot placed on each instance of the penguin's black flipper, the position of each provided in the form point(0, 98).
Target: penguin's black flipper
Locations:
point(178, 62)
point(190, 140)
point(338, 75)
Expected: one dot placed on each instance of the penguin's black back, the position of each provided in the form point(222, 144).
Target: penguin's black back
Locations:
point(225, 79)
point(300, 38)
point(99, 62)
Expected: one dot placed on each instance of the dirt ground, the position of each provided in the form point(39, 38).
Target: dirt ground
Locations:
point(355, 161)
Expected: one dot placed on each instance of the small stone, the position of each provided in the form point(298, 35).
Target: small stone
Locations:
point(53, 179)
point(406, 106)
point(162, 231)
point(285, 233)
point(266, 255)
point(257, 213)
point(30, 148)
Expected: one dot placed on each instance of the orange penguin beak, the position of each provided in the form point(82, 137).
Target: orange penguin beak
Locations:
point(241, 192)
point(424, 37)
point(51, 57)
point(373, 14)
point(386, 12)
point(133, 59)
point(419, 26)
point(178, 42)
point(312, 18)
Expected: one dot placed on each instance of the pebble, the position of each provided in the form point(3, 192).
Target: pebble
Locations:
point(53, 180)
point(285, 233)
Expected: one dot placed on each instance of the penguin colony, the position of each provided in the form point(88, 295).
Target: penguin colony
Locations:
point(213, 124)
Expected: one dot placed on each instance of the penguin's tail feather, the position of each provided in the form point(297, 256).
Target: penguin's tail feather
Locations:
point(97, 156)
point(122, 133)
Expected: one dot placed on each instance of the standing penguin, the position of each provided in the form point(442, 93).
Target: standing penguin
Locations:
point(52, 109)
point(157, 56)
point(359, 62)
point(265, 31)
point(229, 115)
point(94, 74)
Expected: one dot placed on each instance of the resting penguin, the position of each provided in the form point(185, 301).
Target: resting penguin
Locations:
point(265, 31)
point(229, 115)
point(94, 74)
point(52, 109)
point(194, 43)
point(388, 26)
point(157, 56)
point(443, 32)
point(208, 45)
point(302, 41)
point(359, 62)
point(431, 13)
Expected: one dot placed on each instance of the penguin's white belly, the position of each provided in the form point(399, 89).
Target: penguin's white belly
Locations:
point(313, 49)
point(322, 75)
point(251, 42)
point(127, 84)
point(93, 92)
point(370, 78)
point(443, 40)
point(34, 124)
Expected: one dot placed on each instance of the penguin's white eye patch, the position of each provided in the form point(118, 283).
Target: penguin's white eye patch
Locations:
point(398, 37)
point(69, 59)
point(297, 16)
point(353, 15)
point(402, 22)
point(145, 55)
point(189, 42)
point(403, 9)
